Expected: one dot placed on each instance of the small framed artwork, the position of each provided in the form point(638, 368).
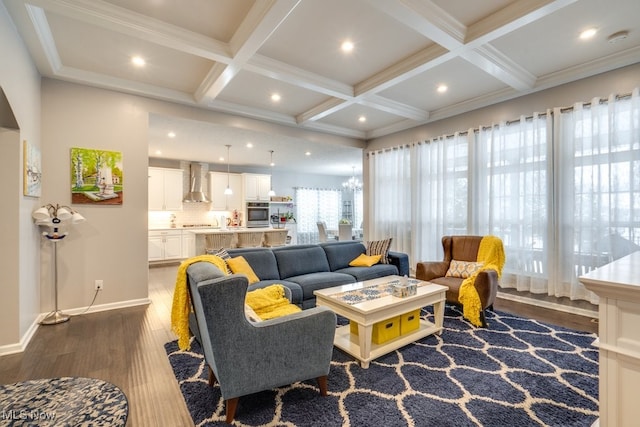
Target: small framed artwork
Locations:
point(32, 170)
point(96, 176)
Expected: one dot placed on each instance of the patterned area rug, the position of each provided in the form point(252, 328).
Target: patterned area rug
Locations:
point(66, 401)
point(517, 372)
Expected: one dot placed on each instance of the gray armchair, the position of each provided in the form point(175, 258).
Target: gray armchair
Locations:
point(245, 357)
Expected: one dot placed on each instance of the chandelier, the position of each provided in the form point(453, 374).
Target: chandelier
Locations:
point(352, 183)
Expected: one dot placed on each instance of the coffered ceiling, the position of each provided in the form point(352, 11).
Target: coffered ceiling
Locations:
point(233, 55)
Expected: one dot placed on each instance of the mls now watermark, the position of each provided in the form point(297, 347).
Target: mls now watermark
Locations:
point(24, 415)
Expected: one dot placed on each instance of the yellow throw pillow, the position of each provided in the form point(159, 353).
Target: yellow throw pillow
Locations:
point(463, 269)
point(239, 265)
point(365, 260)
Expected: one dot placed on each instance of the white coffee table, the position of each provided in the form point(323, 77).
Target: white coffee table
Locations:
point(370, 311)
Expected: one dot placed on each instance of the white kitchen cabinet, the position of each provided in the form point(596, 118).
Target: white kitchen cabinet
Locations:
point(256, 187)
point(165, 245)
point(165, 189)
point(188, 244)
point(217, 185)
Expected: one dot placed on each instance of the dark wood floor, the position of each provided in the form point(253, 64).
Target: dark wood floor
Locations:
point(125, 347)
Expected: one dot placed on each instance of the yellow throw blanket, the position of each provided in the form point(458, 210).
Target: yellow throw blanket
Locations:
point(491, 254)
point(270, 302)
point(181, 306)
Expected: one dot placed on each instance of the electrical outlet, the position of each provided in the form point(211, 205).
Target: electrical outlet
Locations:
point(99, 285)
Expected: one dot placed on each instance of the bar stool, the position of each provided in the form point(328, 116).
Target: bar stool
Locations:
point(275, 237)
point(250, 239)
point(217, 241)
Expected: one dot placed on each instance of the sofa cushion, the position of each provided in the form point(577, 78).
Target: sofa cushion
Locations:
point(321, 280)
point(239, 265)
point(339, 254)
point(380, 247)
point(299, 260)
point(261, 261)
point(368, 273)
point(365, 260)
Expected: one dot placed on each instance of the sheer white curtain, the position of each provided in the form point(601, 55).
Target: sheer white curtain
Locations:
point(511, 197)
point(358, 211)
point(440, 194)
point(418, 194)
point(598, 189)
point(313, 205)
point(389, 203)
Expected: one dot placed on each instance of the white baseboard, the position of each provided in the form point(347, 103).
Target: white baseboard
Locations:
point(548, 304)
point(104, 307)
point(19, 347)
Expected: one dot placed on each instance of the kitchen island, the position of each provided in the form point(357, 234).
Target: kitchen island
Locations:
point(230, 237)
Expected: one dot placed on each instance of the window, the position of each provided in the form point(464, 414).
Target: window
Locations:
point(313, 205)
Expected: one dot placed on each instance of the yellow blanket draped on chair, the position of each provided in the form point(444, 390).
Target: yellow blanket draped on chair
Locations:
point(491, 254)
point(270, 302)
point(181, 306)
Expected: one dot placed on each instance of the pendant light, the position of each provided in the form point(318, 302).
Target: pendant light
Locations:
point(271, 192)
point(228, 191)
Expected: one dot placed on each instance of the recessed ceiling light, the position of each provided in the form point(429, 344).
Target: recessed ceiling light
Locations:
point(347, 46)
point(362, 119)
point(249, 145)
point(138, 61)
point(275, 97)
point(171, 134)
point(442, 88)
point(588, 33)
point(308, 153)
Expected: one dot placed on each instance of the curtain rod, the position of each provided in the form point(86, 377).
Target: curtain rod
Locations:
point(508, 122)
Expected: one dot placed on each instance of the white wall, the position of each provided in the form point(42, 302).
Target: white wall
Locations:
point(112, 244)
point(20, 256)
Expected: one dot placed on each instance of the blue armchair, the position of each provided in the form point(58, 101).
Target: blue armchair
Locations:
point(245, 357)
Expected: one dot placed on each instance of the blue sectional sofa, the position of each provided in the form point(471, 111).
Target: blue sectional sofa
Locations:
point(301, 269)
point(306, 268)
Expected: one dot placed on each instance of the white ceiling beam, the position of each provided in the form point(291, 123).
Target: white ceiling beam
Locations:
point(426, 18)
point(498, 65)
point(393, 107)
point(407, 68)
point(283, 72)
point(323, 109)
point(124, 85)
point(114, 18)
point(261, 21)
point(511, 18)
point(43, 32)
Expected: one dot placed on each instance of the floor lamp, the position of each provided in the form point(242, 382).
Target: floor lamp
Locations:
point(52, 216)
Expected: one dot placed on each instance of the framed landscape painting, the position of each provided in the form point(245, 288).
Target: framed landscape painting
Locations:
point(96, 176)
point(32, 172)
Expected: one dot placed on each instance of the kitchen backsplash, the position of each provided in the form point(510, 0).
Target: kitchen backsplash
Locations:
point(191, 213)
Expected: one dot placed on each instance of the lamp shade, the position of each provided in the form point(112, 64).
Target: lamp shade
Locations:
point(63, 214)
point(41, 214)
point(77, 218)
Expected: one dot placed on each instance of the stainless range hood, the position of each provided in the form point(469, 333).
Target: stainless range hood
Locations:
point(195, 194)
